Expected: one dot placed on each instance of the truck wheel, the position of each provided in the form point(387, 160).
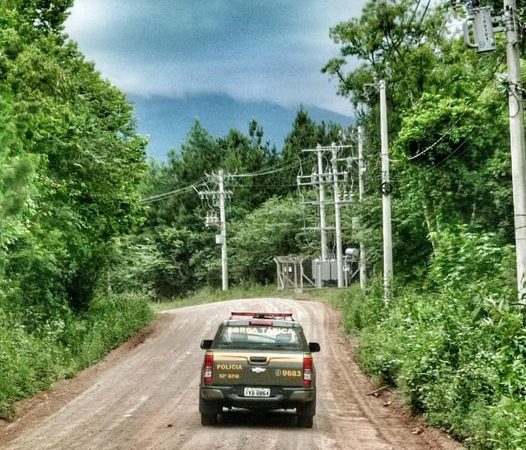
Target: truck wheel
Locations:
point(209, 411)
point(306, 409)
point(305, 421)
point(208, 419)
point(305, 414)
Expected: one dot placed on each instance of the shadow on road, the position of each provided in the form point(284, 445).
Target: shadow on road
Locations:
point(267, 419)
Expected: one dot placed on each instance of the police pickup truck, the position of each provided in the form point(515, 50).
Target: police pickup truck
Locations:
point(258, 361)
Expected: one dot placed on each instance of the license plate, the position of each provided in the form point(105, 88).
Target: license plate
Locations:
point(257, 392)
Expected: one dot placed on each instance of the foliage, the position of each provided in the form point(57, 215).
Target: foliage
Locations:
point(72, 161)
point(271, 230)
point(462, 256)
point(31, 363)
point(70, 165)
point(263, 221)
point(456, 352)
point(452, 335)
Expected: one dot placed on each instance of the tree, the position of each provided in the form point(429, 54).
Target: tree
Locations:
point(272, 230)
point(77, 132)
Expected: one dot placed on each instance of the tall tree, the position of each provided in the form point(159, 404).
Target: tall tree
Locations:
point(79, 133)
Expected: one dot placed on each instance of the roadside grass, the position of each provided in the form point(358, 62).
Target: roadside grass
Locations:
point(456, 355)
point(32, 361)
point(210, 295)
point(333, 296)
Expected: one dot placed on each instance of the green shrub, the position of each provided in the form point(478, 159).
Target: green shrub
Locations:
point(28, 365)
point(32, 361)
point(457, 355)
point(504, 426)
point(107, 323)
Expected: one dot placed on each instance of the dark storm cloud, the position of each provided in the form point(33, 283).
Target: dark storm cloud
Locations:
point(248, 49)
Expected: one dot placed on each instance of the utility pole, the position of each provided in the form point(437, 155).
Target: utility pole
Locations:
point(222, 218)
point(518, 151)
point(323, 224)
point(361, 192)
point(335, 178)
point(337, 218)
point(212, 220)
point(481, 26)
point(386, 195)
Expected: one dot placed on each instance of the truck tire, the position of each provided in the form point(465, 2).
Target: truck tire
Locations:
point(305, 421)
point(209, 411)
point(305, 414)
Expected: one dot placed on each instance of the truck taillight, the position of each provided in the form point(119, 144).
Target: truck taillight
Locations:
point(307, 370)
point(208, 368)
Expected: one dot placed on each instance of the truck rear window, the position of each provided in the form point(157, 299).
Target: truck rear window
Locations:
point(250, 336)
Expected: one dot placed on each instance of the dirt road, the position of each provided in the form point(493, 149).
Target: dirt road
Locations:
point(147, 397)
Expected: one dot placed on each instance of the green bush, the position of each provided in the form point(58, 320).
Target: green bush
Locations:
point(28, 365)
point(454, 356)
point(32, 361)
point(455, 350)
point(107, 323)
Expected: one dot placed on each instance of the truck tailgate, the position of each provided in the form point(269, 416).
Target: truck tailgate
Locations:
point(257, 368)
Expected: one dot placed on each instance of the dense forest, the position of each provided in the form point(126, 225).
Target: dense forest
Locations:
point(90, 229)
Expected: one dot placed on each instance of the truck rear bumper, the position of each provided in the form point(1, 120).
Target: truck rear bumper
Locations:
point(285, 398)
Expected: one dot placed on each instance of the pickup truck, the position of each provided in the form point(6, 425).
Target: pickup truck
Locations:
point(258, 361)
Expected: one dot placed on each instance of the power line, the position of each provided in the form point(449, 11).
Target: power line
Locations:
point(262, 172)
point(461, 116)
point(159, 197)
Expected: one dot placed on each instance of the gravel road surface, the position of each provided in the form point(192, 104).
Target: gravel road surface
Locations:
point(145, 396)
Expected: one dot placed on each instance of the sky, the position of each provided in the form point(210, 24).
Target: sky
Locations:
point(223, 62)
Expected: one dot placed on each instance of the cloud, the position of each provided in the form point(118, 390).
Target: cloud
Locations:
point(248, 49)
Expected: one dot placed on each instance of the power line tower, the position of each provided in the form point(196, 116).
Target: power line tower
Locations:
point(479, 29)
point(218, 198)
point(319, 179)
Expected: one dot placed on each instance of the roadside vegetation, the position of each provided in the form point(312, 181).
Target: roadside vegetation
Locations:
point(212, 295)
point(70, 163)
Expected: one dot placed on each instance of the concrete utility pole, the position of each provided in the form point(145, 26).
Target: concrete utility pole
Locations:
point(518, 151)
point(386, 195)
point(481, 26)
point(335, 178)
point(361, 191)
point(323, 223)
point(218, 196)
point(222, 218)
point(337, 218)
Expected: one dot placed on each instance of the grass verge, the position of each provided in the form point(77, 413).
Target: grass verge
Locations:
point(209, 295)
point(32, 362)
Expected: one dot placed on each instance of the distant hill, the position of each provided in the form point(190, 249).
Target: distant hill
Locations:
point(168, 120)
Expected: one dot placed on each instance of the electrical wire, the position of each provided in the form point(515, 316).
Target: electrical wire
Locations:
point(159, 197)
point(413, 16)
point(461, 116)
point(424, 14)
point(266, 171)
